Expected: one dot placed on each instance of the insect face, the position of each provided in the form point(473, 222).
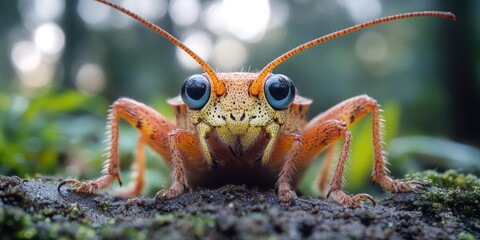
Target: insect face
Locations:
point(238, 117)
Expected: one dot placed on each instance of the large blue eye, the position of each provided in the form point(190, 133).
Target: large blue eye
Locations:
point(280, 91)
point(196, 91)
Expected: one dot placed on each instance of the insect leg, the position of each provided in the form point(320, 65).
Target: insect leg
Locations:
point(321, 135)
point(298, 150)
point(152, 126)
point(285, 193)
point(185, 149)
point(349, 112)
point(138, 171)
point(325, 171)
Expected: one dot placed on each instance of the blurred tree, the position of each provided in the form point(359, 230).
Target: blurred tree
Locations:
point(461, 52)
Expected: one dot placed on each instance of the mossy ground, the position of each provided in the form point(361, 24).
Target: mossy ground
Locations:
point(446, 209)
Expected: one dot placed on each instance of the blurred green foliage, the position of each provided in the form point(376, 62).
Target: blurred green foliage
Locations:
point(38, 133)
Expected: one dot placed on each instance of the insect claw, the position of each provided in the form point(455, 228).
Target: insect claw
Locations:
point(421, 184)
point(119, 180)
point(66, 181)
point(329, 192)
point(370, 198)
point(358, 197)
point(416, 185)
point(408, 186)
point(287, 196)
point(63, 182)
point(168, 193)
point(161, 194)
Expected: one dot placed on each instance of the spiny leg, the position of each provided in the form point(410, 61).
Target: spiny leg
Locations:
point(325, 170)
point(153, 127)
point(349, 112)
point(285, 194)
point(299, 150)
point(138, 171)
point(184, 147)
point(337, 181)
point(323, 134)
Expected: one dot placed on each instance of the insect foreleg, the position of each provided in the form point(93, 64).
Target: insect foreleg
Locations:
point(154, 129)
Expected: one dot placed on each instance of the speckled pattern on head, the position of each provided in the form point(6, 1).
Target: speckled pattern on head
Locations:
point(237, 116)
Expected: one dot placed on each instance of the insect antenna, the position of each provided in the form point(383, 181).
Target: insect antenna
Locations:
point(259, 82)
point(218, 86)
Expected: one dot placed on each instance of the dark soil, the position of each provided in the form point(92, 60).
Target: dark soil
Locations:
point(34, 209)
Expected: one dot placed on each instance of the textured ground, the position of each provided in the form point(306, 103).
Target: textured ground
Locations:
point(34, 209)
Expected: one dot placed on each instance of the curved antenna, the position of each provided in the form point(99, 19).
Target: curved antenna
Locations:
point(218, 86)
point(259, 82)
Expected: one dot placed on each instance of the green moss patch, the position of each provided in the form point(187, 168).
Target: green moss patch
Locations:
point(450, 195)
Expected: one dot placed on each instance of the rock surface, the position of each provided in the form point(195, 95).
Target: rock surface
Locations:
point(34, 209)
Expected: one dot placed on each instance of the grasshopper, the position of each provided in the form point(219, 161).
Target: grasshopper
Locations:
point(247, 128)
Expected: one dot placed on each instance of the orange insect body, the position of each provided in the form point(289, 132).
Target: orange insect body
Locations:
point(246, 128)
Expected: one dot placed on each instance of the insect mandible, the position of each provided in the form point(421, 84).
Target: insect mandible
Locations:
point(246, 128)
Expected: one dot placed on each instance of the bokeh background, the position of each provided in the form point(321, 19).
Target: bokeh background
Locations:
point(62, 63)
